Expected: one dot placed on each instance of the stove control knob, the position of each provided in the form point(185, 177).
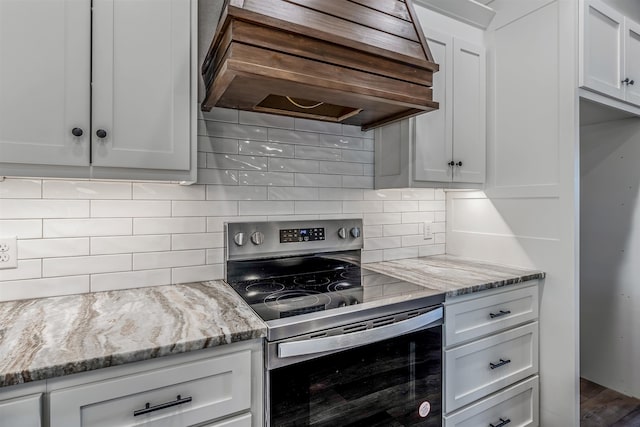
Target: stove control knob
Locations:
point(355, 232)
point(257, 238)
point(342, 232)
point(240, 239)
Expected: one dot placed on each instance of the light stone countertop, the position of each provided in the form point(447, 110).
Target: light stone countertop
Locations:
point(51, 337)
point(453, 275)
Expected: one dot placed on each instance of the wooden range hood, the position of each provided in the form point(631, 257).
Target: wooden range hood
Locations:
point(358, 62)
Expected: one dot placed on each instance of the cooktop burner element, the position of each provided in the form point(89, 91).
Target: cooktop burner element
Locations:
point(312, 280)
point(263, 288)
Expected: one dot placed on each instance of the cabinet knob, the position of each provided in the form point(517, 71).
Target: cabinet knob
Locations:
point(101, 133)
point(627, 81)
point(451, 163)
point(77, 132)
point(459, 164)
point(631, 82)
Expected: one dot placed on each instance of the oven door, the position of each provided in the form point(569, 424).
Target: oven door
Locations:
point(395, 381)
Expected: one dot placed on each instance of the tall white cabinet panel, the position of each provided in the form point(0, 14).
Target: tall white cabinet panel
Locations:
point(632, 61)
point(469, 123)
point(433, 131)
point(603, 60)
point(45, 81)
point(141, 83)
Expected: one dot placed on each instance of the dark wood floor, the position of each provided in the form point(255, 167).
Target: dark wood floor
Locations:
point(602, 407)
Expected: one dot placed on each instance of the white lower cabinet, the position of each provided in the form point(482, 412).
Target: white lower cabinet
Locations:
point(21, 411)
point(516, 406)
point(491, 358)
point(216, 391)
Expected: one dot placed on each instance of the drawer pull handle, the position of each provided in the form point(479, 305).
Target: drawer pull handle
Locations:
point(501, 423)
point(148, 408)
point(499, 314)
point(501, 363)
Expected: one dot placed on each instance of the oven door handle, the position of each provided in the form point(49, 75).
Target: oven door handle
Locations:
point(354, 339)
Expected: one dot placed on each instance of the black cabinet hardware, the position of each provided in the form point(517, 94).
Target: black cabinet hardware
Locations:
point(77, 132)
point(502, 362)
point(459, 164)
point(101, 133)
point(148, 408)
point(499, 314)
point(451, 163)
point(627, 81)
point(502, 422)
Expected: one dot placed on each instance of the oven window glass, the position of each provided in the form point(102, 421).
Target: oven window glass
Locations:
point(397, 382)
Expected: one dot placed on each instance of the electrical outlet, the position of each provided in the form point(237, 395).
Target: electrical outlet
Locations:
point(8, 252)
point(428, 233)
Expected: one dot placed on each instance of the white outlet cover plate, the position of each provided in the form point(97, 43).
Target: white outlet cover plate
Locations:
point(8, 252)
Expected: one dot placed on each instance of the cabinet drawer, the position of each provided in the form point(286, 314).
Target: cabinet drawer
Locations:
point(474, 370)
point(517, 406)
point(21, 411)
point(217, 387)
point(241, 421)
point(477, 317)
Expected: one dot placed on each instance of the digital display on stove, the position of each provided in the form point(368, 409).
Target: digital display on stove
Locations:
point(294, 235)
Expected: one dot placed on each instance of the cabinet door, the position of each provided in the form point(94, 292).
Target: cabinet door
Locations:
point(44, 81)
point(141, 83)
point(602, 35)
point(632, 61)
point(22, 411)
point(432, 131)
point(469, 112)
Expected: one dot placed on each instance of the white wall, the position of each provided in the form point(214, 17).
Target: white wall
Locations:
point(527, 215)
point(610, 250)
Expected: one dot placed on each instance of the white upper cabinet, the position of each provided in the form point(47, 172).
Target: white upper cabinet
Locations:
point(141, 83)
point(45, 77)
point(445, 147)
point(610, 51)
point(103, 86)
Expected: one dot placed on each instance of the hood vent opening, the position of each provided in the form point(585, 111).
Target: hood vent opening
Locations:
point(365, 63)
point(304, 108)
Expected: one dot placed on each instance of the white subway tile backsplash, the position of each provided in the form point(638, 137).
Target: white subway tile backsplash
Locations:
point(236, 192)
point(58, 189)
point(401, 206)
point(153, 260)
point(20, 188)
point(217, 176)
point(266, 178)
point(217, 145)
point(86, 227)
point(180, 242)
point(153, 191)
point(42, 288)
point(169, 225)
point(362, 206)
point(129, 208)
point(268, 120)
point(236, 161)
point(51, 248)
point(318, 153)
point(204, 208)
point(293, 165)
point(39, 208)
point(88, 236)
point(22, 228)
point(293, 193)
point(130, 280)
point(198, 273)
point(324, 207)
point(266, 148)
point(357, 181)
point(317, 180)
point(232, 130)
point(261, 207)
point(382, 243)
point(27, 269)
point(129, 244)
point(73, 266)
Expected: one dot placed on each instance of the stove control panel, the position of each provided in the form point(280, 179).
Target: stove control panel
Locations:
point(294, 235)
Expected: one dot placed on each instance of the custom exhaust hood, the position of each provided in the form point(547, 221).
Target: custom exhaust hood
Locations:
point(358, 62)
